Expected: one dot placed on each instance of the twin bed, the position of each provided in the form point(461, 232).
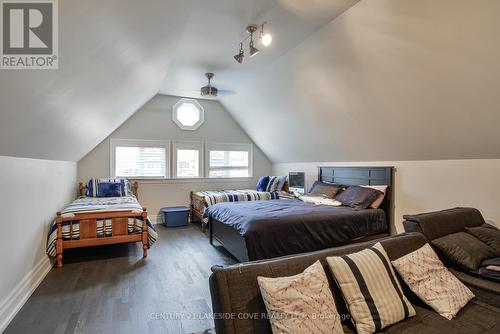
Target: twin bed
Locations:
point(266, 229)
point(200, 201)
point(94, 221)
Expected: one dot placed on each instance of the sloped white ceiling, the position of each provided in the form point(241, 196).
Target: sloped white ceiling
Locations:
point(387, 80)
point(113, 57)
point(117, 54)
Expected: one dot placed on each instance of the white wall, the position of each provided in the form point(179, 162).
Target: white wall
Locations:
point(154, 121)
point(421, 186)
point(32, 192)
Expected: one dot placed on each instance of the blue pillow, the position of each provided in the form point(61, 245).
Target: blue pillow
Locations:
point(262, 184)
point(109, 189)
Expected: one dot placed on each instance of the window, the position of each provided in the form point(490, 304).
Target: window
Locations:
point(153, 159)
point(188, 114)
point(229, 160)
point(188, 159)
point(139, 158)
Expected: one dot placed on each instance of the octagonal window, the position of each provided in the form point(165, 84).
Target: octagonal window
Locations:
point(188, 114)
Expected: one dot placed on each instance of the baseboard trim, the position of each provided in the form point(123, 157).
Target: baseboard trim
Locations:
point(22, 291)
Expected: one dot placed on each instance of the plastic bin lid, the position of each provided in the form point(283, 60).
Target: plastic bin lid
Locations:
point(175, 209)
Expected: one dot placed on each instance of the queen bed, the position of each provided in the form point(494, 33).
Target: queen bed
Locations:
point(267, 229)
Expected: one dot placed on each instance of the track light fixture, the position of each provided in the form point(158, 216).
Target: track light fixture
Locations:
point(265, 38)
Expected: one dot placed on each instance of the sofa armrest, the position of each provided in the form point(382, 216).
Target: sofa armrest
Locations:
point(411, 226)
point(437, 224)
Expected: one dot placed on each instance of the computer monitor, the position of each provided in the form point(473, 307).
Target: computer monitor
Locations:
point(296, 182)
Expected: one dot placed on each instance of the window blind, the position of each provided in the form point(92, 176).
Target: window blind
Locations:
point(140, 161)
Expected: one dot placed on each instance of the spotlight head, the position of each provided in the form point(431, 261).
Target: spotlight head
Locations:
point(253, 50)
point(239, 57)
point(241, 53)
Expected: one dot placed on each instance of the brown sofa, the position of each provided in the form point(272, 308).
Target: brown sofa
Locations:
point(437, 224)
point(239, 309)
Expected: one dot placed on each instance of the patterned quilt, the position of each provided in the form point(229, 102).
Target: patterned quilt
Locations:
point(221, 196)
point(104, 226)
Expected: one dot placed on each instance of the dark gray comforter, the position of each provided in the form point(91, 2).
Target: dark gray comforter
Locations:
point(283, 227)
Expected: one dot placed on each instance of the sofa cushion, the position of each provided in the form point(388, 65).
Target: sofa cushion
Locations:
point(371, 290)
point(302, 303)
point(488, 235)
point(440, 223)
point(464, 249)
point(426, 275)
point(485, 290)
point(475, 318)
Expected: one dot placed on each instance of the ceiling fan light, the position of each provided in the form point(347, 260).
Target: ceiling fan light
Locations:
point(209, 91)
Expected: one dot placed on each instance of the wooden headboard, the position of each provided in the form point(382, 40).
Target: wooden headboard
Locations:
point(82, 188)
point(362, 176)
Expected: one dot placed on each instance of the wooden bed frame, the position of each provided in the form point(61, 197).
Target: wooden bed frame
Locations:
point(196, 201)
point(235, 244)
point(88, 228)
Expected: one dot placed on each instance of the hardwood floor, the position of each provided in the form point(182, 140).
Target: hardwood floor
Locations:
point(111, 289)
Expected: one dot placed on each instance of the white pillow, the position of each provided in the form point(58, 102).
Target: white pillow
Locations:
point(302, 303)
point(319, 200)
point(429, 279)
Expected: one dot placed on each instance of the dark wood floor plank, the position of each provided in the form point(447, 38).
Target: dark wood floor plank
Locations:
point(111, 289)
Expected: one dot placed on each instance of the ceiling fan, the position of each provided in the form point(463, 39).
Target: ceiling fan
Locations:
point(211, 91)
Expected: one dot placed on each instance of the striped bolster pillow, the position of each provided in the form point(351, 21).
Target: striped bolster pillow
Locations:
point(370, 289)
point(273, 184)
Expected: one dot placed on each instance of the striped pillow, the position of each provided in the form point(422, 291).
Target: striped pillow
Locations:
point(370, 289)
point(272, 186)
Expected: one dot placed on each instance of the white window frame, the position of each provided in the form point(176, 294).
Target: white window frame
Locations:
point(188, 145)
point(139, 143)
point(197, 105)
point(228, 147)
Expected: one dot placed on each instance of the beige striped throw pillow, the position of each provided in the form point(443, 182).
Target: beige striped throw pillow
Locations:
point(370, 288)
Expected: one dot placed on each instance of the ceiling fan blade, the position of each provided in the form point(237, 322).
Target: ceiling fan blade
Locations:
point(224, 92)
